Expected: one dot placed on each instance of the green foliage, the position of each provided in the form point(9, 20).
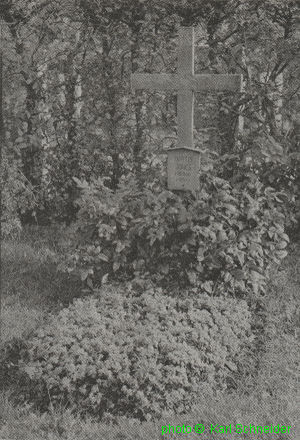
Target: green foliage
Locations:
point(277, 163)
point(223, 240)
point(136, 355)
point(65, 116)
point(17, 197)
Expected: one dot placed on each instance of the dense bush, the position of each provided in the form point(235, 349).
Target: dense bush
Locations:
point(17, 196)
point(222, 240)
point(136, 355)
point(276, 162)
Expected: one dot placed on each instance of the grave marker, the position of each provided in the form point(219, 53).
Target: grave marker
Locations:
point(185, 83)
point(183, 168)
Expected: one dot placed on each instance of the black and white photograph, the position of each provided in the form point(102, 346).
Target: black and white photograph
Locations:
point(150, 219)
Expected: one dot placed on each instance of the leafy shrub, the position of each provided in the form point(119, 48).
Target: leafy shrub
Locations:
point(276, 162)
point(17, 197)
point(223, 240)
point(136, 355)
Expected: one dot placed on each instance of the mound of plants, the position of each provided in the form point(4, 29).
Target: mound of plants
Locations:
point(138, 356)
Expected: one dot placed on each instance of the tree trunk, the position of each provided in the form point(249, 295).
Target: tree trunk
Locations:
point(138, 105)
point(111, 110)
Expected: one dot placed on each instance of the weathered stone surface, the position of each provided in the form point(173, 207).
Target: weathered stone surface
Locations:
point(183, 169)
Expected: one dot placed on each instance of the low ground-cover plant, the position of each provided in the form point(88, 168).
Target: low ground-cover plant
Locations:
point(267, 400)
point(221, 240)
point(136, 355)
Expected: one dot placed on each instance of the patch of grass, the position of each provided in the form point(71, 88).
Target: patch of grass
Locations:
point(18, 320)
point(27, 425)
point(29, 274)
point(280, 366)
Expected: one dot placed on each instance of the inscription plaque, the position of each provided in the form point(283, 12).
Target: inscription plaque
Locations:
point(183, 169)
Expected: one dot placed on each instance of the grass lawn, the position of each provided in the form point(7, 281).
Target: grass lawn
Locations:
point(32, 287)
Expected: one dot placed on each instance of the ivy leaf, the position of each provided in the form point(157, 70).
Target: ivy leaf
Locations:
point(165, 269)
point(120, 247)
point(81, 184)
point(199, 268)
point(84, 273)
point(281, 254)
point(182, 216)
point(207, 286)
point(241, 257)
point(231, 208)
point(89, 282)
point(231, 366)
point(200, 254)
point(103, 257)
point(238, 274)
point(30, 371)
point(104, 279)
point(192, 277)
point(222, 236)
point(116, 266)
point(281, 245)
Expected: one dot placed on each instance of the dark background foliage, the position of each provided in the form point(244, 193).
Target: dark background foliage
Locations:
point(69, 110)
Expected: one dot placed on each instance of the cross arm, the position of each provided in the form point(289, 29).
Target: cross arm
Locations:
point(153, 81)
point(197, 83)
point(216, 82)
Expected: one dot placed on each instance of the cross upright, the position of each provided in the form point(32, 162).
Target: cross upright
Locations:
point(185, 82)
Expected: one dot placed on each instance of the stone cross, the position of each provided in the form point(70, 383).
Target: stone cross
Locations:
point(185, 83)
